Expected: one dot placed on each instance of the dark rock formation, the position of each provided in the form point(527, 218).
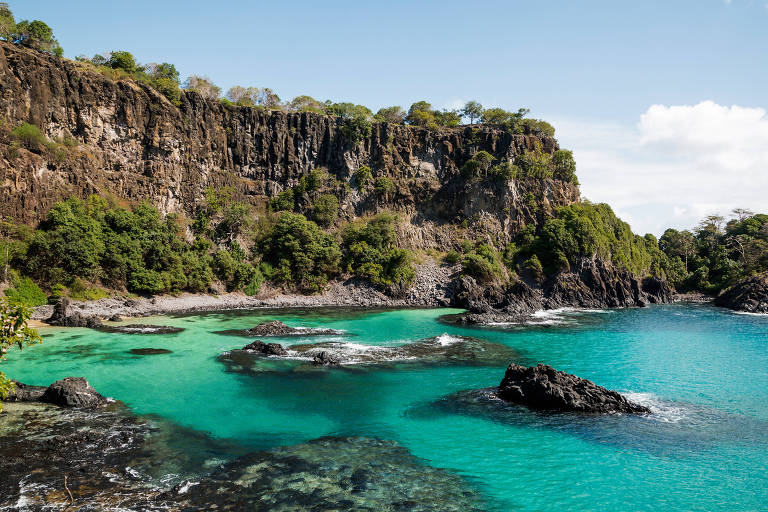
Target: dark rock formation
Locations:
point(65, 315)
point(25, 393)
point(269, 349)
point(115, 318)
point(142, 329)
point(593, 284)
point(543, 387)
point(750, 295)
point(72, 392)
point(324, 358)
point(277, 328)
point(150, 351)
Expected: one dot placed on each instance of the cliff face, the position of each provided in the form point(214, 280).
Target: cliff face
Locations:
point(132, 143)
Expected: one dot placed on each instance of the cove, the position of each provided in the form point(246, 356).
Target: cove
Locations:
point(703, 370)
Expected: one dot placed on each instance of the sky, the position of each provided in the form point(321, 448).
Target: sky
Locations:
point(662, 102)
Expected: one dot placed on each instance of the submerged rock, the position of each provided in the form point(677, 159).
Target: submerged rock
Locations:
point(65, 315)
point(150, 351)
point(270, 349)
point(543, 387)
point(749, 295)
point(116, 461)
point(142, 329)
point(277, 328)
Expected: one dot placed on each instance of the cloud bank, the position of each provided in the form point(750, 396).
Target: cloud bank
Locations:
point(678, 164)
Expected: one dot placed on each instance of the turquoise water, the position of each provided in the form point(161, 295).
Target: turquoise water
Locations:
point(703, 370)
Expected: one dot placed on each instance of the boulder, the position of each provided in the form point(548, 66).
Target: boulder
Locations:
point(325, 358)
point(72, 392)
point(25, 393)
point(270, 349)
point(543, 387)
point(65, 315)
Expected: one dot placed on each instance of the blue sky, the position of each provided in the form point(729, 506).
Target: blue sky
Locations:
point(592, 67)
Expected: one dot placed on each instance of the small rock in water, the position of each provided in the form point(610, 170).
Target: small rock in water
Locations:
point(143, 329)
point(150, 351)
point(325, 358)
point(270, 349)
point(543, 387)
point(72, 392)
point(277, 328)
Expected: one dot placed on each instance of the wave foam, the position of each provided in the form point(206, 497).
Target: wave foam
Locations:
point(660, 410)
point(446, 339)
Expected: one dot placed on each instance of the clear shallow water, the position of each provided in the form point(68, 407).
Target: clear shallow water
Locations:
point(704, 370)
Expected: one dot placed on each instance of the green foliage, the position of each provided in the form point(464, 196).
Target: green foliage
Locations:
point(362, 176)
point(122, 60)
point(483, 263)
point(284, 201)
point(306, 104)
point(392, 115)
point(80, 290)
point(564, 166)
point(716, 254)
point(25, 290)
point(452, 257)
point(34, 34)
point(473, 110)
point(7, 22)
point(14, 331)
point(536, 127)
point(29, 135)
point(422, 114)
point(235, 272)
point(478, 165)
point(357, 120)
point(325, 210)
point(384, 187)
point(203, 86)
point(301, 253)
point(370, 252)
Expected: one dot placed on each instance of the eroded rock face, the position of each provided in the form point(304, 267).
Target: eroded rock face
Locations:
point(65, 315)
point(543, 387)
point(750, 295)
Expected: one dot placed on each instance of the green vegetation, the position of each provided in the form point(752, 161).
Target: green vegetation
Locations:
point(534, 164)
point(301, 253)
point(24, 289)
point(384, 187)
point(325, 210)
point(14, 331)
point(34, 34)
point(717, 254)
point(370, 252)
point(362, 176)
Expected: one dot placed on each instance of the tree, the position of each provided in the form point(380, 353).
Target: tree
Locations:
point(306, 104)
point(38, 35)
point(325, 210)
point(164, 70)
point(14, 330)
point(122, 60)
point(473, 110)
point(392, 115)
point(203, 86)
point(420, 114)
point(7, 23)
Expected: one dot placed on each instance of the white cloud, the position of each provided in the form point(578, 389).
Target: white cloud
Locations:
point(676, 165)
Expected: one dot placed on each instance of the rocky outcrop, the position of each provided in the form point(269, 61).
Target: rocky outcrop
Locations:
point(269, 349)
point(324, 358)
point(277, 328)
point(543, 387)
point(593, 284)
point(132, 143)
point(142, 329)
point(65, 315)
point(68, 392)
point(750, 295)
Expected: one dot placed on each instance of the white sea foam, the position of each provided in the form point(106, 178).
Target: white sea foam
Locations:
point(186, 486)
point(764, 315)
point(665, 412)
point(446, 339)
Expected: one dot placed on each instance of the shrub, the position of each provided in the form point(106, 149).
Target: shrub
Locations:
point(29, 135)
point(452, 257)
point(483, 263)
point(362, 176)
point(122, 60)
point(384, 186)
point(325, 210)
point(284, 201)
point(25, 289)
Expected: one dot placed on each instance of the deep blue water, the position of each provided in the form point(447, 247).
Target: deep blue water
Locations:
point(703, 370)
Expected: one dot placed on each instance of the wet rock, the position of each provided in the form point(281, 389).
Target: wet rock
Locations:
point(269, 349)
point(749, 295)
point(72, 392)
point(543, 387)
point(142, 329)
point(25, 393)
point(149, 351)
point(324, 358)
point(277, 328)
point(65, 315)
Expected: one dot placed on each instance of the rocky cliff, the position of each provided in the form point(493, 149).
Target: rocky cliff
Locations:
point(749, 295)
point(128, 141)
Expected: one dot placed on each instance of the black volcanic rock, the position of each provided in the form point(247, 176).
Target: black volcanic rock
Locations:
point(270, 349)
point(543, 387)
point(277, 328)
point(64, 315)
point(25, 393)
point(150, 351)
point(72, 392)
point(142, 329)
point(325, 358)
point(749, 295)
